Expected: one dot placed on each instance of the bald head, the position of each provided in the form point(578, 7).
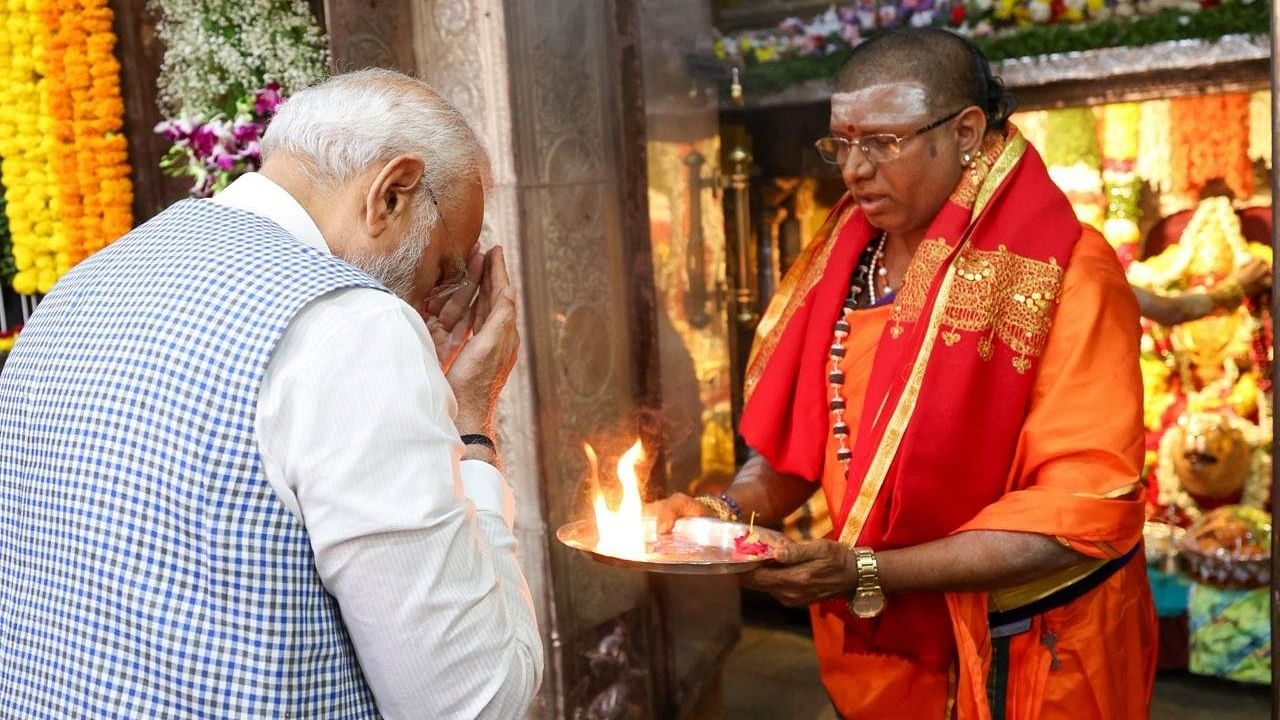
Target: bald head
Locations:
point(952, 71)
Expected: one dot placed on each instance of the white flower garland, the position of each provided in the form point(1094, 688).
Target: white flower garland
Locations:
point(1260, 127)
point(220, 51)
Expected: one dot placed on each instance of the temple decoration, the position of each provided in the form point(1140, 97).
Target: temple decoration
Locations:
point(67, 189)
point(1260, 127)
point(686, 231)
point(1210, 141)
point(1208, 414)
point(1121, 184)
point(1153, 160)
point(1075, 162)
point(217, 89)
point(9, 328)
point(802, 49)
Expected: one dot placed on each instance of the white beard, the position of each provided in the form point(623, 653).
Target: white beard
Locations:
point(396, 270)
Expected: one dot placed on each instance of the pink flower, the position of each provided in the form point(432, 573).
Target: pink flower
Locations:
point(251, 151)
point(267, 100)
point(174, 130)
point(223, 161)
point(203, 140)
point(244, 131)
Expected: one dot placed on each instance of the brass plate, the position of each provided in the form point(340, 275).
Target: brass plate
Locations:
point(696, 546)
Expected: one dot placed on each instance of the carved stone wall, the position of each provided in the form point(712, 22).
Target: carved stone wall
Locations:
point(370, 33)
point(540, 83)
point(554, 90)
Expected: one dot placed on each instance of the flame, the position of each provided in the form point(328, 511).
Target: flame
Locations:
point(620, 532)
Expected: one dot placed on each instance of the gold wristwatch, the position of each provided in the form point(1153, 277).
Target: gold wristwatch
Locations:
point(868, 598)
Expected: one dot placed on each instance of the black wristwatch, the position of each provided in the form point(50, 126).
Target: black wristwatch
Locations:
point(482, 440)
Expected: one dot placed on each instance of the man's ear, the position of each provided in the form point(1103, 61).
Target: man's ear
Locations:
point(391, 192)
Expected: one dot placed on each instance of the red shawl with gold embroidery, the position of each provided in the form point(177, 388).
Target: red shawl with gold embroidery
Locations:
point(951, 380)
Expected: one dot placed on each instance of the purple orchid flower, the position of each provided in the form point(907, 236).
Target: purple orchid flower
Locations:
point(174, 130)
point(223, 161)
point(204, 139)
point(268, 99)
point(245, 131)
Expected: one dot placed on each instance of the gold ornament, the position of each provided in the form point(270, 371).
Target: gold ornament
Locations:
point(1211, 456)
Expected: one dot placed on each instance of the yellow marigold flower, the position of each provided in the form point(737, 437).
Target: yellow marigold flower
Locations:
point(24, 282)
point(46, 280)
point(22, 258)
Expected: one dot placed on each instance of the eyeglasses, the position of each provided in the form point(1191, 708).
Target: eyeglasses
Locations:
point(877, 148)
point(456, 275)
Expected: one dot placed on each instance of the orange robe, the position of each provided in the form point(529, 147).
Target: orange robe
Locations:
point(1078, 454)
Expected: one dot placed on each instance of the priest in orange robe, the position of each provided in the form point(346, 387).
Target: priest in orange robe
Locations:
point(955, 360)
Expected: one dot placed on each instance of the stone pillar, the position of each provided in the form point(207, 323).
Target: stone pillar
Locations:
point(554, 90)
point(542, 84)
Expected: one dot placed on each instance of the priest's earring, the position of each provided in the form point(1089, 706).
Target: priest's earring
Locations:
point(971, 163)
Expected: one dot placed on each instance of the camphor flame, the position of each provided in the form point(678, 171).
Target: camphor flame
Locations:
point(621, 532)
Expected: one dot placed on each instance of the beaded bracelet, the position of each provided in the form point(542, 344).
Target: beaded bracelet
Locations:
point(722, 505)
point(734, 507)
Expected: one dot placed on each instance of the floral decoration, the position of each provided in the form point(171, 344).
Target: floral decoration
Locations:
point(217, 150)
point(1154, 131)
point(1260, 127)
point(798, 50)
point(65, 159)
point(1121, 185)
point(1075, 162)
point(6, 247)
point(1210, 141)
point(26, 166)
point(227, 65)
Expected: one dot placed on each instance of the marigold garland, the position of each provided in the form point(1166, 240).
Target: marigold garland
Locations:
point(6, 249)
point(26, 155)
point(69, 192)
point(1210, 141)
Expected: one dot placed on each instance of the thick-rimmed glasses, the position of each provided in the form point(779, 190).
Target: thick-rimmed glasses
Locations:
point(877, 148)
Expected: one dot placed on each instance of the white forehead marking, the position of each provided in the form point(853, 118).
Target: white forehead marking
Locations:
point(891, 103)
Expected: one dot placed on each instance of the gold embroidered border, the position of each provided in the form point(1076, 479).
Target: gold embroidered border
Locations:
point(1011, 152)
point(973, 181)
point(789, 297)
point(914, 291)
point(997, 293)
point(898, 422)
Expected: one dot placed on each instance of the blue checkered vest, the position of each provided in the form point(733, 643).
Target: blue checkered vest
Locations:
point(147, 569)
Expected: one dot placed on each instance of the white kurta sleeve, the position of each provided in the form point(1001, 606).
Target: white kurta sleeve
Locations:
point(356, 432)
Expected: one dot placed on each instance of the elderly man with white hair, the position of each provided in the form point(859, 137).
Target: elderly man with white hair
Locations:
point(247, 465)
